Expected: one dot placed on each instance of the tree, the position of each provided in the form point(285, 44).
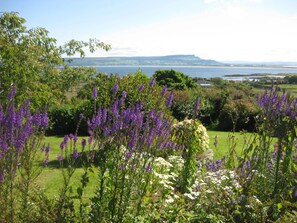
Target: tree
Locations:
point(31, 61)
point(174, 79)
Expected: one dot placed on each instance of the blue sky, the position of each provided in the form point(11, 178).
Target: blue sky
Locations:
point(224, 30)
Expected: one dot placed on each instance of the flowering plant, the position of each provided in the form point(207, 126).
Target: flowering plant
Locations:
point(192, 132)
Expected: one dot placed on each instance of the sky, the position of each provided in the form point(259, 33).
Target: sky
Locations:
point(222, 30)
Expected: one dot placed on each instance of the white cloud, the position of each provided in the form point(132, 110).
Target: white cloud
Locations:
point(227, 33)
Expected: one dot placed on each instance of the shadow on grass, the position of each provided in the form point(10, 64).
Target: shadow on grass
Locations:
point(78, 163)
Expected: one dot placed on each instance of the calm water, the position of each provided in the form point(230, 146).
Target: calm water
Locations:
point(197, 71)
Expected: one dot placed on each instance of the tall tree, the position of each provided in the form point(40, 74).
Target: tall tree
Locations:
point(31, 61)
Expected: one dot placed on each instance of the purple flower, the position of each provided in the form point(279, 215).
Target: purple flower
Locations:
point(45, 162)
point(12, 93)
point(83, 142)
point(90, 139)
point(115, 88)
point(62, 145)
point(148, 168)
point(124, 94)
point(94, 93)
point(47, 149)
point(140, 88)
point(169, 100)
point(44, 119)
point(152, 83)
point(36, 119)
point(196, 105)
point(60, 157)
point(66, 138)
point(81, 116)
point(75, 154)
point(164, 90)
point(131, 144)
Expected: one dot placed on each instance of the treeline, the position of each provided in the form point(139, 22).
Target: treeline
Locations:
point(223, 106)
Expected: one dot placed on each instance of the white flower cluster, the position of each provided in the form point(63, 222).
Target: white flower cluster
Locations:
point(221, 181)
point(203, 138)
point(190, 127)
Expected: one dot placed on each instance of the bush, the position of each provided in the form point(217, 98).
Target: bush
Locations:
point(238, 115)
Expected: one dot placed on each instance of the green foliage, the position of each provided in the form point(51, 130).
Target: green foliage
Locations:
point(174, 79)
point(29, 60)
point(292, 79)
point(64, 118)
point(238, 115)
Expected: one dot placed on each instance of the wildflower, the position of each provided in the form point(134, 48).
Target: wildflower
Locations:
point(148, 168)
point(60, 157)
point(62, 145)
point(12, 93)
point(75, 154)
point(45, 162)
point(152, 83)
point(169, 100)
point(81, 116)
point(140, 88)
point(115, 88)
point(83, 142)
point(44, 119)
point(164, 90)
point(196, 105)
point(94, 93)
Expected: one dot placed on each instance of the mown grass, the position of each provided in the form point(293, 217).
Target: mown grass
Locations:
point(51, 178)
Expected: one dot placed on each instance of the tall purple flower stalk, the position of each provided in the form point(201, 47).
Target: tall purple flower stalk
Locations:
point(18, 127)
point(169, 100)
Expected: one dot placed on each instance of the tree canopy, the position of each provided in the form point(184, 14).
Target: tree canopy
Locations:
point(174, 79)
point(31, 61)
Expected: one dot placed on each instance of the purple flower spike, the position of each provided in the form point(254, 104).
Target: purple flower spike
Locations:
point(152, 83)
point(62, 145)
point(140, 88)
point(94, 93)
point(81, 116)
point(75, 154)
point(60, 157)
point(196, 106)
point(45, 162)
point(148, 168)
point(164, 90)
point(115, 88)
point(124, 94)
point(12, 93)
point(83, 142)
point(44, 119)
point(169, 100)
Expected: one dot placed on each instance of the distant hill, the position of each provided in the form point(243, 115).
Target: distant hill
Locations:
point(172, 60)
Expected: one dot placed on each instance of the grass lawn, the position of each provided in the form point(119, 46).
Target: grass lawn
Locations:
point(227, 140)
point(51, 178)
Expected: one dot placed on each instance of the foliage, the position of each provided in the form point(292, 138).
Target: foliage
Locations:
point(292, 79)
point(30, 61)
point(174, 79)
point(238, 115)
